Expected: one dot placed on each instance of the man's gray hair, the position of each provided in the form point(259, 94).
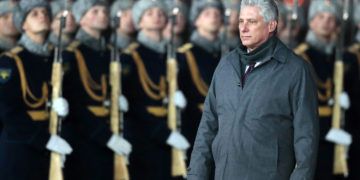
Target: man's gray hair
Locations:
point(268, 8)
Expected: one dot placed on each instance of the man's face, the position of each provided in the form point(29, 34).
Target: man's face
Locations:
point(96, 18)
point(126, 22)
point(37, 21)
point(253, 29)
point(323, 25)
point(7, 25)
point(209, 20)
point(233, 21)
point(153, 19)
point(70, 25)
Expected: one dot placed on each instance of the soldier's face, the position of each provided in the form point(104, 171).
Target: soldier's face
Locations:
point(37, 21)
point(7, 25)
point(70, 25)
point(96, 18)
point(233, 21)
point(209, 20)
point(324, 24)
point(126, 22)
point(153, 19)
point(253, 29)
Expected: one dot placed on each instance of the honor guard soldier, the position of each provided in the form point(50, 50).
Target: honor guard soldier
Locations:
point(181, 23)
point(319, 50)
point(126, 29)
point(57, 10)
point(230, 34)
point(8, 32)
point(144, 82)
point(25, 72)
point(87, 87)
point(354, 127)
point(198, 60)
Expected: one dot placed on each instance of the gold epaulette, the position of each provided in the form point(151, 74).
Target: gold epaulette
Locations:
point(73, 45)
point(301, 48)
point(131, 48)
point(185, 47)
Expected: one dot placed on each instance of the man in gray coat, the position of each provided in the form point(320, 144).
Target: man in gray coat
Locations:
point(260, 117)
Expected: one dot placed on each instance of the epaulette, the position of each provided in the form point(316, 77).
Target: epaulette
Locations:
point(184, 47)
point(301, 48)
point(72, 46)
point(131, 48)
point(13, 51)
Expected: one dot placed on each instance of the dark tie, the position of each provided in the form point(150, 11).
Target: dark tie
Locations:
point(247, 72)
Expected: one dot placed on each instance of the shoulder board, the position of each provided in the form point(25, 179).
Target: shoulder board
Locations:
point(355, 48)
point(301, 48)
point(131, 48)
point(72, 46)
point(184, 47)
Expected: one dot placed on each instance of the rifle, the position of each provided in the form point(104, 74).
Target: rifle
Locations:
point(116, 116)
point(55, 121)
point(292, 24)
point(178, 166)
point(340, 164)
point(224, 45)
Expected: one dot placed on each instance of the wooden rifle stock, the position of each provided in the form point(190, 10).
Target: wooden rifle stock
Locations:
point(340, 166)
point(178, 166)
point(116, 116)
point(55, 172)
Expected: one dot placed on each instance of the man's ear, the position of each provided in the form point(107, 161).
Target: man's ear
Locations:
point(272, 26)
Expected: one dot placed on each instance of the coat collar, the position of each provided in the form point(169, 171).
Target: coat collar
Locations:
point(280, 54)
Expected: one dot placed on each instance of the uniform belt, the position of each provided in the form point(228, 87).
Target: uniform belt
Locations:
point(158, 111)
point(39, 115)
point(325, 111)
point(99, 111)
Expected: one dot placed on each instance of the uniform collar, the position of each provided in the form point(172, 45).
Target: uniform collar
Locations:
point(33, 47)
point(209, 46)
point(122, 41)
point(159, 47)
point(91, 42)
point(325, 47)
point(6, 45)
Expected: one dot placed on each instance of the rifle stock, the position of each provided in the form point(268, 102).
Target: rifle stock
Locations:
point(120, 168)
point(340, 166)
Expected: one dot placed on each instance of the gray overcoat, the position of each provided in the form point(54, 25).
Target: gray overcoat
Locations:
point(266, 129)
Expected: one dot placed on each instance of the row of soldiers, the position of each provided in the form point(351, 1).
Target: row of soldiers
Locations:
point(142, 35)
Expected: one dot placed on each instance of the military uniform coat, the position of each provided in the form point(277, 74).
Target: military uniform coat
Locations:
point(266, 128)
point(24, 91)
point(324, 67)
point(144, 85)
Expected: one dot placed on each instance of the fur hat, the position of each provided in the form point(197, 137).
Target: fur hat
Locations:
point(200, 5)
point(80, 7)
point(7, 6)
point(25, 6)
point(318, 6)
point(143, 5)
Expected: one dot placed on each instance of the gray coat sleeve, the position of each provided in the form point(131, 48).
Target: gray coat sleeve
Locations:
point(306, 124)
point(202, 160)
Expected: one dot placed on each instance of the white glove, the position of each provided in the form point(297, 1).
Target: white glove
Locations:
point(177, 141)
point(179, 99)
point(119, 145)
point(344, 101)
point(61, 106)
point(58, 145)
point(339, 136)
point(123, 104)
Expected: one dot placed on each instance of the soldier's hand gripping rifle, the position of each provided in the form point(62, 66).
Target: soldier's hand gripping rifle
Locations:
point(340, 166)
point(116, 116)
point(178, 166)
point(55, 172)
